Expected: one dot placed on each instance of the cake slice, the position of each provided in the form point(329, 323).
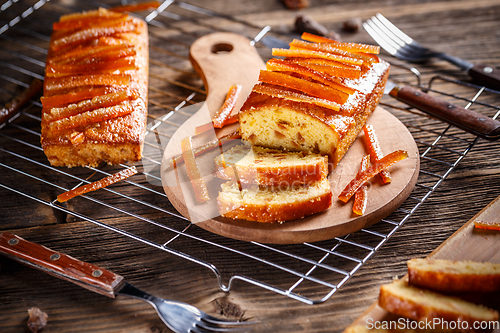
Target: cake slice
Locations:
point(285, 120)
point(404, 300)
point(95, 89)
point(270, 167)
point(273, 204)
point(449, 276)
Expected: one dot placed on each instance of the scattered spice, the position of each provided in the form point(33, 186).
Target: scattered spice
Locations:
point(37, 319)
point(352, 25)
point(296, 4)
point(304, 23)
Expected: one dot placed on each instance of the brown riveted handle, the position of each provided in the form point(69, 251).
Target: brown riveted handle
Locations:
point(486, 75)
point(60, 265)
point(465, 119)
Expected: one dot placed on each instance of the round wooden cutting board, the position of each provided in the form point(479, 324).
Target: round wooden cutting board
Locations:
point(224, 59)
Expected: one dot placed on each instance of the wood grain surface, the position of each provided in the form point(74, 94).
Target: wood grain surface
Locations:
point(467, 29)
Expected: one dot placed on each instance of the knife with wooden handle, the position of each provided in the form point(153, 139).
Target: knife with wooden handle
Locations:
point(468, 120)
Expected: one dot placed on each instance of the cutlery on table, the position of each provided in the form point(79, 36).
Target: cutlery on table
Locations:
point(179, 317)
point(403, 47)
point(468, 120)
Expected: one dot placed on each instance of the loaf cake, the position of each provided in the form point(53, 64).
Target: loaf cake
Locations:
point(270, 167)
point(316, 99)
point(95, 89)
point(273, 203)
point(404, 300)
point(448, 276)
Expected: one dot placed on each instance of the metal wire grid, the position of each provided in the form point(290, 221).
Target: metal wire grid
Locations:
point(309, 272)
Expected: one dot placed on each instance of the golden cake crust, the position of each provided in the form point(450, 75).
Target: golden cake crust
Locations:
point(338, 129)
point(117, 139)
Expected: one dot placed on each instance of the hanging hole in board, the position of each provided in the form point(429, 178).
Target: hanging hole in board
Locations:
point(222, 48)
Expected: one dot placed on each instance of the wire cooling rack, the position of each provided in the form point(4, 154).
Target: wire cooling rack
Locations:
point(309, 272)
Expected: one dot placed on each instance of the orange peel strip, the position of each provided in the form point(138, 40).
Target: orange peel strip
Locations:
point(96, 102)
point(86, 80)
point(77, 96)
point(14, 106)
point(372, 144)
point(114, 178)
point(281, 65)
point(315, 54)
point(311, 88)
point(136, 7)
point(486, 225)
point(91, 33)
point(78, 53)
point(293, 96)
point(174, 161)
point(100, 67)
point(193, 171)
point(220, 118)
point(91, 117)
point(331, 48)
point(331, 68)
point(316, 38)
point(373, 170)
point(361, 195)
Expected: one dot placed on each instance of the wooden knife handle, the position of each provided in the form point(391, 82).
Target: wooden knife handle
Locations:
point(486, 75)
point(465, 119)
point(60, 265)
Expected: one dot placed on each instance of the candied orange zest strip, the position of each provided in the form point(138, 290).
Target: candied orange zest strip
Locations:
point(330, 48)
point(120, 65)
point(315, 54)
point(361, 195)
point(96, 102)
point(72, 97)
point(311, 88)
point(331, 68)
point(91, 33)
point(290, 66)
point(224, 112)
point(193, 171)
point(136, 7)
point(373, 170)
point(86, 80)
point(114, 178)
point(87, 21)
point(486, 225)
point(78, 53)
point(293, 96)
point(14, 106)
point(90, 117)
point(373, 146)
point(316, 39)
point(174, 161)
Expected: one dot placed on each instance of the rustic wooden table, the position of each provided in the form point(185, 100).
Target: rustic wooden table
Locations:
point(467, 29)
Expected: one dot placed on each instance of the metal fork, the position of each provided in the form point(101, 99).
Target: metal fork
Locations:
point(402, 46)
point(179, 317)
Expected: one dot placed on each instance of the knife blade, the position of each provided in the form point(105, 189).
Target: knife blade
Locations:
point(465, 119)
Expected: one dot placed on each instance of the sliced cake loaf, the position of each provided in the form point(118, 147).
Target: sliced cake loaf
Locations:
point(273, 204)
point(418, 304)
point(270, 167)
point(449, 276)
